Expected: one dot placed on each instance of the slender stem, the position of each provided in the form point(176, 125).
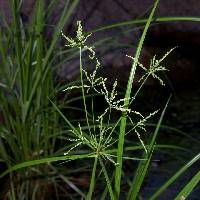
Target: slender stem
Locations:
point(109, 116)
point(93, 117)
point(82, 88)
point(141, 85)
point(92, 181)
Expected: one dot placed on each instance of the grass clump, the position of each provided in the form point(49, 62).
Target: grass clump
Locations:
point(29, 128)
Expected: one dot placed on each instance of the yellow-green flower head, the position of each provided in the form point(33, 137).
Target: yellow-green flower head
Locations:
point(80, 39)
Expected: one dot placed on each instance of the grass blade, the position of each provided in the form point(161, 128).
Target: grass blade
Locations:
point(107, 180)
point(143, 165)
point(72, 185)
point(189, 187)
point(174, 177)
point(92, 181)
point(143, 21)
point(65, 16)
point(45, 160)
point(63, 116)
point(126, 104)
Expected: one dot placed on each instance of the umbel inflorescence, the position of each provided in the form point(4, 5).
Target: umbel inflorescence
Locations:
point(101, 138)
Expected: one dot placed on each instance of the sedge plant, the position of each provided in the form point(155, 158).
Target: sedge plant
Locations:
point(102, 137)
point(29, 135)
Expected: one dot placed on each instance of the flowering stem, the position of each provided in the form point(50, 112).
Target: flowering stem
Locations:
point(82, 88)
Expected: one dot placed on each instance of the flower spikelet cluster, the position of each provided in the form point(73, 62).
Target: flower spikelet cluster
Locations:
point(154, 68)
